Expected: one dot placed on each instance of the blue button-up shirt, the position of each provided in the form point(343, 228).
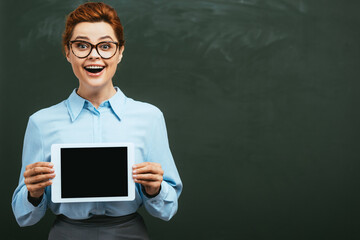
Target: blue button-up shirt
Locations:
point(119, 119)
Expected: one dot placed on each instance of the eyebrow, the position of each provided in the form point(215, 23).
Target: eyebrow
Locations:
point(86, 38)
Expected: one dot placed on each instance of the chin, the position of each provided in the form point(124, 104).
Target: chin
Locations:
point(96, 84)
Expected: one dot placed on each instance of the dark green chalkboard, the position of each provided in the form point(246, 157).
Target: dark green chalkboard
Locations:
point(261, 100)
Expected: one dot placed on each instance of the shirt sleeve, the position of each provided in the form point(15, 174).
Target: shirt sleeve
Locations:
point(165, 204)
point(25, 213)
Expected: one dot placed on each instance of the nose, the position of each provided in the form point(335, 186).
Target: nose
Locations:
point(94, 54)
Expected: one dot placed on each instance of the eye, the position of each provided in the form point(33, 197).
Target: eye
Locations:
point(105, 46)
point(82, 45)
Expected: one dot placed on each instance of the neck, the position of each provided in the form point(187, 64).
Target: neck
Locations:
point(96, 96)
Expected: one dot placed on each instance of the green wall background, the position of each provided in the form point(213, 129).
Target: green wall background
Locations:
point(261, 100)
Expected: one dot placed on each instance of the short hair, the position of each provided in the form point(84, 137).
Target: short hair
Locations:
point(93, 12)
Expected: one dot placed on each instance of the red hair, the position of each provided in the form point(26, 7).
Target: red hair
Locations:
point(93, 12)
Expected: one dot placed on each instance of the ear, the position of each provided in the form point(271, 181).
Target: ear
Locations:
point(67, 53)
point(121, 50)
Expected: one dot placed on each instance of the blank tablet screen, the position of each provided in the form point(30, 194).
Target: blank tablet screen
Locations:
point(94, 172)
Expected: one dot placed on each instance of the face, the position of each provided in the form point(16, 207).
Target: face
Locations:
point(93, 71)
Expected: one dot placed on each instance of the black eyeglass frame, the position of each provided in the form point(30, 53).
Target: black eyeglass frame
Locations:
point(93, 46)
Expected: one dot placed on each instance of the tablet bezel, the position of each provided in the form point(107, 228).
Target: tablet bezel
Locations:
point(56, 185)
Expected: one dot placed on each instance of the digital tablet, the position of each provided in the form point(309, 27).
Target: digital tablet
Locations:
point(92, 172)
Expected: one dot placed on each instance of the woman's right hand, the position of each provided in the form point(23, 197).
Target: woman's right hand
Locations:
point(37, 177)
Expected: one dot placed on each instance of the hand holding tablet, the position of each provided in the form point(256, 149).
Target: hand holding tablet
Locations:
point(149, 175)
point(93, 172)
point(37, 177)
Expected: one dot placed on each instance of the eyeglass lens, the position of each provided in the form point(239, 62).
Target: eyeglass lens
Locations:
point(105, 49)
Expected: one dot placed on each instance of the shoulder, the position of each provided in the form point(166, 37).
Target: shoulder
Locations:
point(49, 113)
point(143, 108)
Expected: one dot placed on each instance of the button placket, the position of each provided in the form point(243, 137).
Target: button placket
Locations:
point(98, 139)
point(97, 126)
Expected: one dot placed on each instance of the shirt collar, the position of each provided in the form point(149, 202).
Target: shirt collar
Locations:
point(75, 104)
point(117, 103)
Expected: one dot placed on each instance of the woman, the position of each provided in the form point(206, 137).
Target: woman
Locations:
point(97, 112)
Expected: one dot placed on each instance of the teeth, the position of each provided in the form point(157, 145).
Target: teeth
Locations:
point(94, 67)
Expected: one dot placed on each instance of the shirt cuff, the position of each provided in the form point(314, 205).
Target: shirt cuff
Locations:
point(160, 196)
point(35, 201)
point(147, 195)
point(28, 205)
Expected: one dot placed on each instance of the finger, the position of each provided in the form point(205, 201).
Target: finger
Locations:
point(140, 165)
point(144, 164)
point(155, 169)
point(38, 170)
point(38, 186)
point(148, 177)
point(39, 164)
point(39, 178)
point(152, 184)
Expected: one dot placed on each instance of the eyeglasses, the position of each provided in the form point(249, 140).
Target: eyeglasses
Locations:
point(82, 49)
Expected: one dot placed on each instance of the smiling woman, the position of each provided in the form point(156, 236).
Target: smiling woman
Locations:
point(90, 67)
point(97, 112)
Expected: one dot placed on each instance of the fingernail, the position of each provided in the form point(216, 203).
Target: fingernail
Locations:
point(51, 164)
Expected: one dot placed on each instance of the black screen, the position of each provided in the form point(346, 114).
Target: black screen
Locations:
point(94, 172)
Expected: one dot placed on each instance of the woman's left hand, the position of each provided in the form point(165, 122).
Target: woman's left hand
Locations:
point(150, 175)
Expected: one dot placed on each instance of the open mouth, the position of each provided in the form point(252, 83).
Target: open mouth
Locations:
point(94, 69)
